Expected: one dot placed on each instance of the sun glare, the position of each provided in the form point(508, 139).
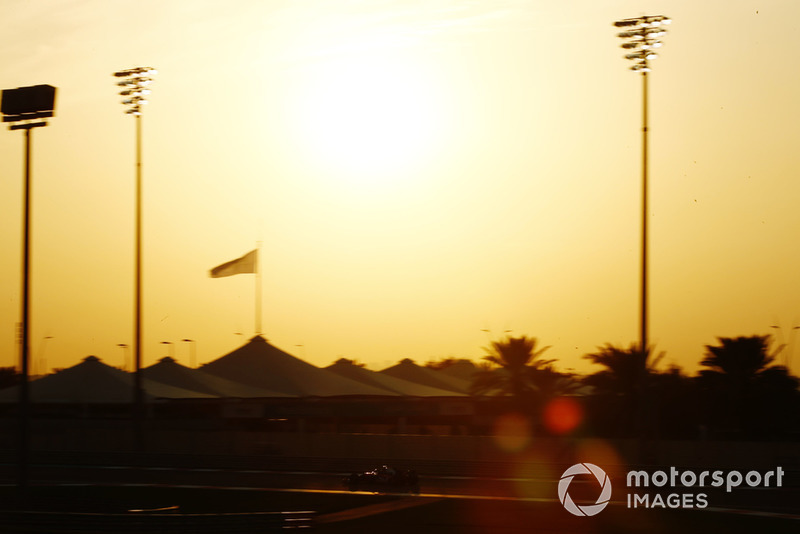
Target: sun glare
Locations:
point(368, 119)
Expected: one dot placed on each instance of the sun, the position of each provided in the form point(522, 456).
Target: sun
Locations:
point(368, 118)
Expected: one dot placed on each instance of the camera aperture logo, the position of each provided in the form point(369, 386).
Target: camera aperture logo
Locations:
point(588, 509)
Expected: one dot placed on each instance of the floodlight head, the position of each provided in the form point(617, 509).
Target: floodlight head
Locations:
point(134, 84)
point(643, 34)
point(134, 72)
point(25, 103)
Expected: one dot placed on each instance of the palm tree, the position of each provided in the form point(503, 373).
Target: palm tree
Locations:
point(514, 358)
point(741, 358)
point(438, 365)
point(626, 370)
point(744, 393)
point(622, 386)
point(350, 362)
point(550, 383)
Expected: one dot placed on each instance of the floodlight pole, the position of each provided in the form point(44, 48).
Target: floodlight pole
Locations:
point(643, 325)
point(25, 334)
point(138, 394)
point(24, 391)
point(23, 106)
point(135, 87)
point(643, 34)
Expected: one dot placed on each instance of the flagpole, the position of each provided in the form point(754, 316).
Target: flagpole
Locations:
point(246, 264)
point(258, 289)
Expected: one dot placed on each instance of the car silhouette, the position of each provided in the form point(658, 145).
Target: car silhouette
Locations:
point(383, 478)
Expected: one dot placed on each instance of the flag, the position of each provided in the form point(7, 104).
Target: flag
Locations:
point(245, 264)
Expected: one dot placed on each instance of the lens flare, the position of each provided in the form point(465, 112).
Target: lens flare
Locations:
point(562, 415)
point(512, 432)
point(534, 470)
point(603, 453)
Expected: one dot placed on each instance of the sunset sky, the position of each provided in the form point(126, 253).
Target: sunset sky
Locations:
point(417, 173)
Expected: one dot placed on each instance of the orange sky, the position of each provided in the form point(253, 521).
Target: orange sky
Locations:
point(416, 172)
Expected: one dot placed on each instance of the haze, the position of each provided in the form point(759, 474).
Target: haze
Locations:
point(423, 177)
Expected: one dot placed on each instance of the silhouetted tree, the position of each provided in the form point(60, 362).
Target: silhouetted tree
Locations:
point(744, 395)
point(741, 359)
point(438, 365)
point(621, 388)
point(550, 383)
point(515, 359)
point(351, 362)
point(626, 370)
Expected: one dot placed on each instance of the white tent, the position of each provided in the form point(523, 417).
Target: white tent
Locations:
point(463, 369)
point(168, 371)
point(403, 387)
point(408, 370)
point(262, 365)
point(93, 382)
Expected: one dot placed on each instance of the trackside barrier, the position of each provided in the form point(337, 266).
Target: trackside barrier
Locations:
point(279, 463)
point(425, 467)
point(30, 522)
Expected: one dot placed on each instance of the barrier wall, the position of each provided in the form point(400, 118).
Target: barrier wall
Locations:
point(116, 437)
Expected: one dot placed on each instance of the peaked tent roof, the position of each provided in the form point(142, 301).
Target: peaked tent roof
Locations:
point(463, 369)
point(404, 387)
point(262, 365)
point(168, 371)
point(92, 381)
point(408, 370)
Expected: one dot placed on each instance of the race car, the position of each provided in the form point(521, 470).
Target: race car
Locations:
point(383, 478)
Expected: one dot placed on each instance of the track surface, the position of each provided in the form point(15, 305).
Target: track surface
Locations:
point(446, 504)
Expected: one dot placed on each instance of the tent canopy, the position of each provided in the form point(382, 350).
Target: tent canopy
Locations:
point(403, 387)
point(93, 382)
point(262, 365)
point(168, 371)
point(410, 371)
